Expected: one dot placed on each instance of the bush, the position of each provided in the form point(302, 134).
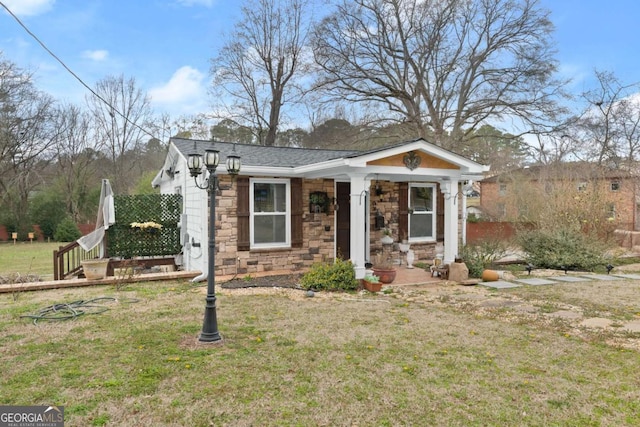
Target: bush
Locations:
point(562, 249)
point(481, 255)
point(67, 231)
point(339, 276)
point(47, 210)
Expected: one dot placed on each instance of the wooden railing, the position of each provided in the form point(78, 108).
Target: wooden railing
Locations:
point(67, 260)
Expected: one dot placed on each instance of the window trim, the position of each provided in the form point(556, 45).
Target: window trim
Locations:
point(433, 213)
point(286, 214)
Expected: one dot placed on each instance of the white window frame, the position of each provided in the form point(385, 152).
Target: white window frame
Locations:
point(433, 213)
point(286, 214)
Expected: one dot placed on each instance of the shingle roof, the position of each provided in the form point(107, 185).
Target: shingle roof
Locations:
point(259, 155)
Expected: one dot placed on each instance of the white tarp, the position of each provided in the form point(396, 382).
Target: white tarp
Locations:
point(106, 218)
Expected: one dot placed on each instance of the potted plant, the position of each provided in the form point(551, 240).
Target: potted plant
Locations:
point(383, 268)
point(372, 283)
point(386, 237)
point(318, 202)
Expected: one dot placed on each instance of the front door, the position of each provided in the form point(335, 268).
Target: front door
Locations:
point(343, 220)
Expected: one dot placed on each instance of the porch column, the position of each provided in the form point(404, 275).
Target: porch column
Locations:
point(450, 191)
point(359, 188)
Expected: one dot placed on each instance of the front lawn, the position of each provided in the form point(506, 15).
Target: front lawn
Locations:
point(430, 355)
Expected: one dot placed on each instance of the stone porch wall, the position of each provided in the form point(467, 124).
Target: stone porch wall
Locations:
point(387, 204)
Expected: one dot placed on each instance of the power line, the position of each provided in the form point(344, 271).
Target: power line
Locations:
point(71, 71)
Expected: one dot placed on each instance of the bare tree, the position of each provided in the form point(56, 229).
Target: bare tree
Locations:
point(257, 67)
point(26, 137)
point(443, 66)
point(609, 126)
point(120, 115)
point(76, 158)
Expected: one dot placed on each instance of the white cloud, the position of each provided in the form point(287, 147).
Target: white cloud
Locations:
point(95, 55)
point(29, 7)
point(184, 87)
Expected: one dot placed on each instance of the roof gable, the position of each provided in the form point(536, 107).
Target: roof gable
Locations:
point(424, 161)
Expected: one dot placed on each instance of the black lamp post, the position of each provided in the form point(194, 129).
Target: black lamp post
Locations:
point(194, 163)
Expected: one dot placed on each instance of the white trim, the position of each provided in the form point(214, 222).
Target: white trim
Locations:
point(286, 214)
point(432, 212)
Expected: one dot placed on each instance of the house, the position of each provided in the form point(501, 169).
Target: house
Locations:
point(597, 192)
point(292, 207)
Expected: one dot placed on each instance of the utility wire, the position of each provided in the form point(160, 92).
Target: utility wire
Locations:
point(71, 71)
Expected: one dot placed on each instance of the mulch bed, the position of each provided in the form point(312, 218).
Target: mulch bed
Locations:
point(282, 281)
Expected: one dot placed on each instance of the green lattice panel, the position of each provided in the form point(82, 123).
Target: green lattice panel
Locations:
point(125, 241)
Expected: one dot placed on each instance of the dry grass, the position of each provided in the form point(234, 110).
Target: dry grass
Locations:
point(430, 355)
point(25, 258)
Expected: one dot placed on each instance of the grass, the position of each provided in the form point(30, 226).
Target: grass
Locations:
point(407, 358)
point(28, 258)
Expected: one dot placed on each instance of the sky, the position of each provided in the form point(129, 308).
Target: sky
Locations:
point(166, 45)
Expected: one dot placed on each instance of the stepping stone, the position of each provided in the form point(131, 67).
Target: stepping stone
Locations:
point(536, 281)
point(596, 322)
point(499, 284)
point(628, 276)
point(565, 314)
point(498, 303)
point(603, 277)
point(632, 326)
point(525, 308)
point(571, 279)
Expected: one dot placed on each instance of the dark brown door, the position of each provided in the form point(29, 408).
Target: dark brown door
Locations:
point(343, 220)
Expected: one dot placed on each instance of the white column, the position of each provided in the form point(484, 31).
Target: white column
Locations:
point(450, 191)
point(359, 188)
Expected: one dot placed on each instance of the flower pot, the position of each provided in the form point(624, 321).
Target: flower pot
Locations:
point(490, 276)
point(386, 240)
point(95, 268)
point(386, 275)
point(372, 286)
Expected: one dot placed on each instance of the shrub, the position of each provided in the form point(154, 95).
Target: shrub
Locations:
point(562, 249)
point(67, 231)
point(339, 276)
point(481, 255)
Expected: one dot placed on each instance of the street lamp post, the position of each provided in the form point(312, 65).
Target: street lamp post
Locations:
point(195, 162)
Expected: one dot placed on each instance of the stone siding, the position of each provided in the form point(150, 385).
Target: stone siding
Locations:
point(317, 231)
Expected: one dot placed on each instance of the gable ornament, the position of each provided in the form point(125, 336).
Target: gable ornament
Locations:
point(411, 160)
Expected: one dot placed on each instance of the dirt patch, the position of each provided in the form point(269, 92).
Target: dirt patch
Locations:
point(290, 281)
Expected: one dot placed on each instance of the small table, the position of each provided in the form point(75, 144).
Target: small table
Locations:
point(440, 271)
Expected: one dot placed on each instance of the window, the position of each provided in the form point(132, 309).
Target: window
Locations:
point(422, 208)
point(269, 207)
point(615, 185)
point(503, 189)
point(582, 186)
point(611, 211)
point(501, 210)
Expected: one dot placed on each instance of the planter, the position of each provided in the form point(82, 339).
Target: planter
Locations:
point(95, 268)
point(386, 240)
point(386, 275)
point(490, 276)
point(372, 286)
